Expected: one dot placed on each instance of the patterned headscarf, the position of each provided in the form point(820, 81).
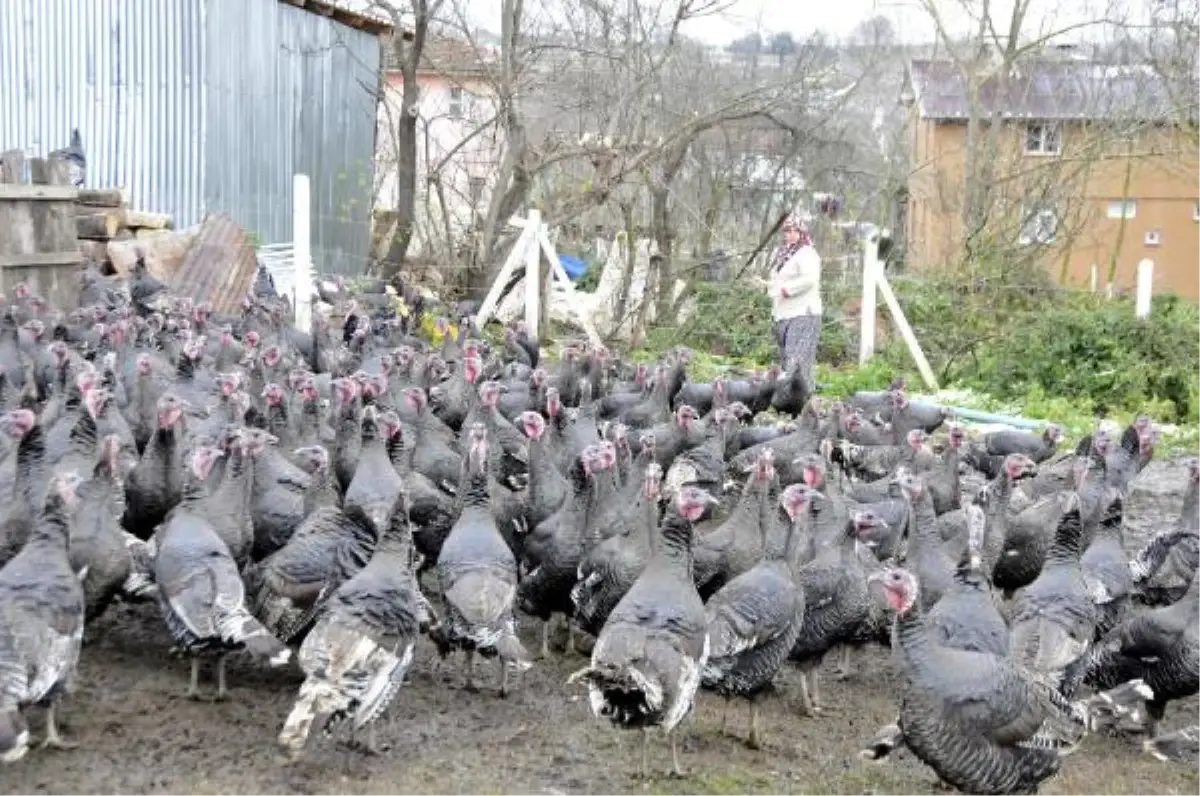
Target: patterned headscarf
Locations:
point(785, 252)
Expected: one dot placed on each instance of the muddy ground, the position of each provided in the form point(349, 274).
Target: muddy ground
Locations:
point(138, 734)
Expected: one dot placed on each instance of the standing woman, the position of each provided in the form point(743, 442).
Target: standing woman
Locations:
point(795, 288)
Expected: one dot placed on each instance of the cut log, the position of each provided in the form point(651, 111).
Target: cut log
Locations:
point(106, 197)
point(94, 250)
point(99, 226)
point(164, 252)
point(140, 219)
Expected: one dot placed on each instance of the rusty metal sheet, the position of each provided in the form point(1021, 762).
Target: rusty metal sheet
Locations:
point(219, 266)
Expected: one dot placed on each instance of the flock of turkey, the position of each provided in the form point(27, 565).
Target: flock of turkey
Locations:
point(329, 498)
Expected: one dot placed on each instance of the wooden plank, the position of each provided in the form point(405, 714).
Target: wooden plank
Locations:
point(12, 167)
point(99, 226)
point(492, 299)
point(49, 171)
point(55, 193)
point(870, 272)
point(101, 197)
point(572, 298)
point(40, 260)
point(906, 332)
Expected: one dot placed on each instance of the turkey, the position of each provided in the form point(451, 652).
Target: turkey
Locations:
point(42, 629)
point(977, 719)
point(477, 574)
point(1105, 568)
point(988, 456)
point(753, 622)
point(201, 593)
point(1160, 646)
point(288, 588)
point(373, 490)
point(1164, 568)
point(737, 545)
point(1054, 618)
point(926, 556)
point(645, 667)
point(609, 569)
point(1180, 746)
point(966, 618)
point(355, 658)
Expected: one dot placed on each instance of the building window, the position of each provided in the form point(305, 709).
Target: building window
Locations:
point(1126, 208)
point(458, 103)
point(1043, 138)
point(1040, 226)
point(475, 189)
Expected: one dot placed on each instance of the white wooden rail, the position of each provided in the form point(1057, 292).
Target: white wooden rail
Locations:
point(532, 244)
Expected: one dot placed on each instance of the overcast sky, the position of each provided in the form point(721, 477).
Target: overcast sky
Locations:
point(839, 17)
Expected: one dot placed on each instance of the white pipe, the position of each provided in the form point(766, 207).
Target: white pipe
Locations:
point(302, 281)
point(1145, 287)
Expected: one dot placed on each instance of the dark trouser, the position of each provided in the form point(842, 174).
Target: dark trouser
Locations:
point(798, 338)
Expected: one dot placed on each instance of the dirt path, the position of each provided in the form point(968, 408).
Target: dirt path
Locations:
point(138, 734)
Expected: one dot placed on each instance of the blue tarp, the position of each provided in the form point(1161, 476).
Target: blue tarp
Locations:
point(574, 267)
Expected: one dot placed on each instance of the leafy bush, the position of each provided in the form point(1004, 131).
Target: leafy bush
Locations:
point(729, 320)
point(1097, 352)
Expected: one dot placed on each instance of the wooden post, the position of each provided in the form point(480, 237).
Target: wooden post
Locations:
point(533, 273)
point(302, 252)
point(1108, 291)
point(1145, 287)
point(906, 332)
point(50, 171)
point(1094, 284)
point(515, 255)
point(12, 167)
point(870, 272)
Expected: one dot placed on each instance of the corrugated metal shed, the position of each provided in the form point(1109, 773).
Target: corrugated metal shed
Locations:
point(300, 98)
point(205, 106)
point(127, 73)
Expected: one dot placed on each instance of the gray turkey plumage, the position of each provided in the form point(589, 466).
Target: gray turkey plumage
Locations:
point(42, 627)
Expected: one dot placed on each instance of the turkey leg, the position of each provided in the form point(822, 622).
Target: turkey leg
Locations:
point(571, 648)
point(193, 691)
point(546, 636)
point(844, 668)
point(53, 739)
point(222, 689)
point(676, 769)
point(808, 693)
point(469, 665)
point(754, 741)
point(503, 677)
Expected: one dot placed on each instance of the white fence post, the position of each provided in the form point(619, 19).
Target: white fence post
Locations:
point(533, 272)
point(302, 253)
point(1095, 280)
point(870, 268)
point(1145, 287)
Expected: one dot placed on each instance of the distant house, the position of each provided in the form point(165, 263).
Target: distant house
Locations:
point(459, 145)
point(1089, 166)
point(198, 106)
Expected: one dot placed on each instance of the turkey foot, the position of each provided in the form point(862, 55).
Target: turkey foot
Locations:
point(370, 746)
point(53, 739)
point(571, 648)
point(808, 694)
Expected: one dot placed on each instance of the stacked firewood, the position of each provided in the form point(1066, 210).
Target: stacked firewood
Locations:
point(114, 235)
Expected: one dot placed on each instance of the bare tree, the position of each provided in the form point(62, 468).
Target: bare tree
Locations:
point(406, 54)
